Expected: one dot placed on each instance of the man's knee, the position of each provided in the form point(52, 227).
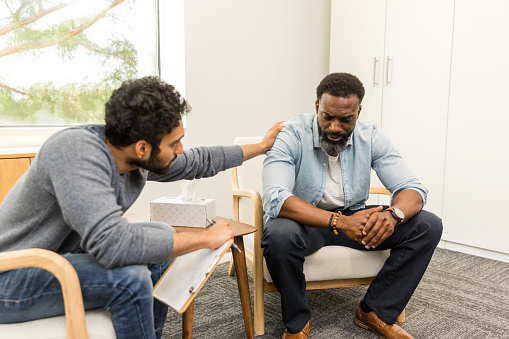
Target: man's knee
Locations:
point(119, 287)
point(431, 224)
point(135, 278)
point(283, 235)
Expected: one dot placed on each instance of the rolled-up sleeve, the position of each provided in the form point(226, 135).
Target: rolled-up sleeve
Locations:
point(278, 173)
point(392, 171)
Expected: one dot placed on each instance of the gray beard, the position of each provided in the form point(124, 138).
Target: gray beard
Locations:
point(332, 148)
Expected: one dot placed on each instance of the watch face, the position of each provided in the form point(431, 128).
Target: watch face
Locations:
point(399, 213)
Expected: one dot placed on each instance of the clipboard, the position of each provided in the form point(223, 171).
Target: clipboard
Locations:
point(186, 275)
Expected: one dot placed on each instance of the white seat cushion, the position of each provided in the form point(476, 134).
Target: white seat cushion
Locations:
point(99, 326)
point(334, 262)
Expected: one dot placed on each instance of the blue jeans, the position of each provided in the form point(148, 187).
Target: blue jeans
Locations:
point(286, 243)
point(126, 292)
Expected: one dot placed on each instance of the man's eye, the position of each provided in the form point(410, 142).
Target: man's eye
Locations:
point(327, 117)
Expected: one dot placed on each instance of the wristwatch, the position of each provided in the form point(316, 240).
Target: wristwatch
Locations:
point(397, 214)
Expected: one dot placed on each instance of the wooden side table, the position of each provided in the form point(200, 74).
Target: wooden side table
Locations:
point(239, 230)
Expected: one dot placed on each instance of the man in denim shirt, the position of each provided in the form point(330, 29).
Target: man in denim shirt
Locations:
point(321, 163)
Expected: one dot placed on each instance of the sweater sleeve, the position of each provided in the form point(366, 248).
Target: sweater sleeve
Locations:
point(79, 171)
point(202, 162)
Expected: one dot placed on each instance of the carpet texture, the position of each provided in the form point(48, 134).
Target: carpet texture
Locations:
point(460, 296)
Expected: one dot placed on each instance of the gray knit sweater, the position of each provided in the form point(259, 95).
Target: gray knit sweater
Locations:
point(73, 196)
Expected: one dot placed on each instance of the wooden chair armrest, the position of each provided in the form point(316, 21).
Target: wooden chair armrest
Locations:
point(256, 199)
point(66, 275)
point(247, 193)
point(379, 190)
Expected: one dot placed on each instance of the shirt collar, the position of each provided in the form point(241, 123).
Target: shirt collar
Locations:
point(350, 138)
point(316, 135)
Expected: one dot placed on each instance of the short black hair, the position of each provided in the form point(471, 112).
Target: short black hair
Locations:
point(340, 85)
point(143, 109)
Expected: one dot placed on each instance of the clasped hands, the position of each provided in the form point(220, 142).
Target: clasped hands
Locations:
point(369, 227)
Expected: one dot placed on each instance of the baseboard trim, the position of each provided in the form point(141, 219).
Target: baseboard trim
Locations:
point(480, 252)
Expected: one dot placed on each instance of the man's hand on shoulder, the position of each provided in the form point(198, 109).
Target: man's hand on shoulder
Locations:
point(270, 137)
point(251, 151)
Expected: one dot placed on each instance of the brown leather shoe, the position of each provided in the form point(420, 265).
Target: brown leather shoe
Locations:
point(301, 335)
point(370, 321)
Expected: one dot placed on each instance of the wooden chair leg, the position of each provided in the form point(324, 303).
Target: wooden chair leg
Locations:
point(401, 317)
point(243, 285)
point(231, 270)
point(259, 309)
point(187, 322)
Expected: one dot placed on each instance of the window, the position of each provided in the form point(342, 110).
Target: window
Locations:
point(60, 60)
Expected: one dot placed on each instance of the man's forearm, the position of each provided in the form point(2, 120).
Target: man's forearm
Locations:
point(303, 212)
point(186, 242)
point(409, 201)
point(253, 150)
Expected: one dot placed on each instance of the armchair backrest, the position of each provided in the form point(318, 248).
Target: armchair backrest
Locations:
point(250, 173)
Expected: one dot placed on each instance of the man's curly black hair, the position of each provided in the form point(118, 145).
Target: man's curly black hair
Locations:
point(340, 85)
point(143, 109)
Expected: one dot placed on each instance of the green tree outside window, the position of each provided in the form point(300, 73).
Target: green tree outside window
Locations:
point(60, 60)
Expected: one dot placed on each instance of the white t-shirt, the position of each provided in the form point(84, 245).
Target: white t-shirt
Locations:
point(333, 197)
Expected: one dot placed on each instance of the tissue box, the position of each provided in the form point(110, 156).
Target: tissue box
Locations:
point(178, 212)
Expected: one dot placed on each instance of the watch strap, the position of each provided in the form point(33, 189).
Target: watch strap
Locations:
point(399, 220)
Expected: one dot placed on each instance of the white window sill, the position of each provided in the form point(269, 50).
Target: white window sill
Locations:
point(25, 137)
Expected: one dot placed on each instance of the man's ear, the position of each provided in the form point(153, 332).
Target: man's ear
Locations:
point(317, 104)
point(142, 149)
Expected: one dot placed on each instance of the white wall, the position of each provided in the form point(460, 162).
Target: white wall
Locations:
point(248, 65)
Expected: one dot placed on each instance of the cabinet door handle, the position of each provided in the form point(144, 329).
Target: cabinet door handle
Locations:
point(375, 71)
point(388, 76)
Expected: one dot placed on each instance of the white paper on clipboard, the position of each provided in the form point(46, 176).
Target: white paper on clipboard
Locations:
point(186, 275)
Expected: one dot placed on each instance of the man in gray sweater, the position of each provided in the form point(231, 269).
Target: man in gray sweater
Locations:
point(72, 199)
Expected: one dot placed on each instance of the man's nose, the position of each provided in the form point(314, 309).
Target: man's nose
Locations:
point(335, 127)
point(180, 148)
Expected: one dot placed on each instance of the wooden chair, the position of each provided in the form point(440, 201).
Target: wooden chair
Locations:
point(76, 321)
point(323, 269)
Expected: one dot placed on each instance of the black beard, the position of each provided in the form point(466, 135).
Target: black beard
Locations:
point(153, 164)
point(333, 148)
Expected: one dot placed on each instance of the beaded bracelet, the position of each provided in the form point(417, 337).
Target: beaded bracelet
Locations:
point(333, 222)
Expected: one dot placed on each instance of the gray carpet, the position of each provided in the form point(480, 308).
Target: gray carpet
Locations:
point(460, 296)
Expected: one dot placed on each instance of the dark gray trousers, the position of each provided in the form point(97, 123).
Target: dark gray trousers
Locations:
point(412, 244)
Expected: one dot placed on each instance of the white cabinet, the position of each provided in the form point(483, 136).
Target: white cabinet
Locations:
point(401, 51)
point(357, 40)
point(476, 186)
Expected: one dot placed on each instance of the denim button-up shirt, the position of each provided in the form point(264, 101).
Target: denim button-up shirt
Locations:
point(297, 165)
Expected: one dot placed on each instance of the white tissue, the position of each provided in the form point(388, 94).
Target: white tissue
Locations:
point(189, 191)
